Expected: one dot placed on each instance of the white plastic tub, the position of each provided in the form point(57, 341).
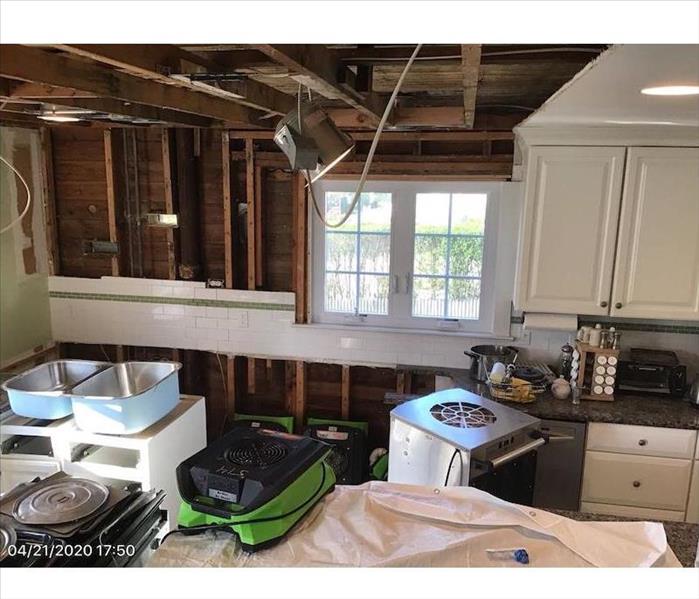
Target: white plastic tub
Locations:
point(126, 398)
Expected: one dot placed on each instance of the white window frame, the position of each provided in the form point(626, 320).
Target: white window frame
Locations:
point(401, 261)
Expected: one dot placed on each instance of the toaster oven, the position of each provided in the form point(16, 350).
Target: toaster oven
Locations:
point(654, 371)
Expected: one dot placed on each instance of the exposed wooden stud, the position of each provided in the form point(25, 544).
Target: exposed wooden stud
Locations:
point(169, 203)
point(289, 386)
point(227, 211)
point(120, 351)
point(49, 197)
point(230, 386)
point(300, 396)
point(259, 280)
point(345, 392)
point(250, 199)
point(470, 66)
point(111, 197)
point(252, 378)
point(318, 67)
point(39, 66)
point(300, 247)
point(403, 382)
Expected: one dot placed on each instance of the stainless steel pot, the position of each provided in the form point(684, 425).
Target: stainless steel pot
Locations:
point(484, 356)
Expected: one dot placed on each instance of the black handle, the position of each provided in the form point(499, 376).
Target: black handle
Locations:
point(617, 305)
point(603, 304)
point(642, 442)
point(637, 483)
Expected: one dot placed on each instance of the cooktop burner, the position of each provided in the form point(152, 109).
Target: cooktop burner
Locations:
point(63, 501)
point(462, 414)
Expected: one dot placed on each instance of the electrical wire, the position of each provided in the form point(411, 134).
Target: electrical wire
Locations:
point(370, 155)
point(451, 462)
point(29, 197)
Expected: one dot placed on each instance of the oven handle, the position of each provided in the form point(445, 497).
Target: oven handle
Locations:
point(508, 457)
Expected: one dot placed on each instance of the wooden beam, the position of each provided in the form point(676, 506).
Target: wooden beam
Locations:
point(48, 186)
point(300, 395)
point(40, 91)
point(403, 382)
point(300, 242)
point(111, 197)
point(259, 280)
point(460, 135)
point(169, 203)
point(345, 392)
point(227, 211)
point(138, 111)
point(39, 66)
point(251, 210)
point(470, 66)
point(230, 386)
point(159, 61)
point(317, 67)
point(252, 376)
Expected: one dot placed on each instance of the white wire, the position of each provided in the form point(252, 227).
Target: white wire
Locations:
point(29, 197)
point(370, 155)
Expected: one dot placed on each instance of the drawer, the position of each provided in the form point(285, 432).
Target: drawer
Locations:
point(641, 440)
point(626, 511)
point(693, 503)
point(659, 483)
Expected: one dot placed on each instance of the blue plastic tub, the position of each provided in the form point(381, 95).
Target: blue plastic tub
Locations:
point(42, 392)
point(126, 398)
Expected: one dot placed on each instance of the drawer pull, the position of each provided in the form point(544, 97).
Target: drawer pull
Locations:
point(642, 442)
point(637, 483)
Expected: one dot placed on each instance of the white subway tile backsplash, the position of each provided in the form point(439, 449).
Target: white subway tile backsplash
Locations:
point(206, 323)
point(217, 312)
point(205, 294)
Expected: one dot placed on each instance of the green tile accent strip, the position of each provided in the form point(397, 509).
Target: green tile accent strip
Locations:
point(180, 301)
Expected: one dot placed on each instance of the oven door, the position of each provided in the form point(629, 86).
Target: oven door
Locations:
point(510, 477)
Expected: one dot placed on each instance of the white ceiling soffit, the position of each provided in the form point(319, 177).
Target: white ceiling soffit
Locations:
point(607, 92)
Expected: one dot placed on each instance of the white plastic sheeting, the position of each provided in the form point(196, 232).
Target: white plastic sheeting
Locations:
point(388, 524)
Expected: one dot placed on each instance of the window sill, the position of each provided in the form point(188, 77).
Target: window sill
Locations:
point(375, 329)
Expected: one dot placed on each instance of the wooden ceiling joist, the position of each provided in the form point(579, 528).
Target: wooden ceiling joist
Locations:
point(39, 66)
point(470, 67)
point(160, 62)
point(455, 136)
point(318, 67)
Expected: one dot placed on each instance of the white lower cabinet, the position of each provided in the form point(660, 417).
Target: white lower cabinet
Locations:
point(657, 483)
point(693, 502)
point(623, 477)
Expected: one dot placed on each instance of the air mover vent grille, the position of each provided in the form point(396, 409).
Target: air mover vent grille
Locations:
point(461, 414)
point(256, 453)
point(339, 460)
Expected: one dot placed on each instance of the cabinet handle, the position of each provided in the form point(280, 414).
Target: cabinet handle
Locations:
point(618, 305)
point(637, 483)
point(642, 442)
point(603, 304)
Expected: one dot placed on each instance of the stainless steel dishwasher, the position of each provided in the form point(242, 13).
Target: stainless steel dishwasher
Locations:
point(559, 466)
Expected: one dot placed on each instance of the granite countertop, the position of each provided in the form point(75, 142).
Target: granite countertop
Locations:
point(681, 536)
point(627, 408)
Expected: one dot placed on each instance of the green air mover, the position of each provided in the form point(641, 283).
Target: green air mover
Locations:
point(254, 482)
point(276, 423)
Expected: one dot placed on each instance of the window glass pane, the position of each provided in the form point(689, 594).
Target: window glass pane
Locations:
point(466, 256)
point(341, 252)
point(373, 294)
point(430, 255)
point(468, 213)
point(336, 205)
point(375, 252)
point(340, 292)
point(432, 213)
point(375, 212)
point(428, 297)
point(464, 298)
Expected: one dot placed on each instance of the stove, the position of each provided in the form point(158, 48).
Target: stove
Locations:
point(455, 437)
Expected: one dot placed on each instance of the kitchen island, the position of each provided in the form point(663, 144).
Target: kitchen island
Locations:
point(682, 537)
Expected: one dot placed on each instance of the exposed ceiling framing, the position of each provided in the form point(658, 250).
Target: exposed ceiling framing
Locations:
point(250, 86)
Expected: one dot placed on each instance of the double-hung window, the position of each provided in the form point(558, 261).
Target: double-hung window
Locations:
point(415, 255)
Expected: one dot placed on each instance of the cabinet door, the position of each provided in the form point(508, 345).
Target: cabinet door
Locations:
point(693, 502)
point(569, 227)
point(657, 264)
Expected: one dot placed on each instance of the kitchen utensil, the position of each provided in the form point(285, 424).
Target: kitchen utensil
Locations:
point(42, 391)
point(694, 392)
point(483, 357)
point(127, 397)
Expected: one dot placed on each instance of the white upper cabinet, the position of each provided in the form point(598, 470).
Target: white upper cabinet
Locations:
point(569, 228)
point(657, 263)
